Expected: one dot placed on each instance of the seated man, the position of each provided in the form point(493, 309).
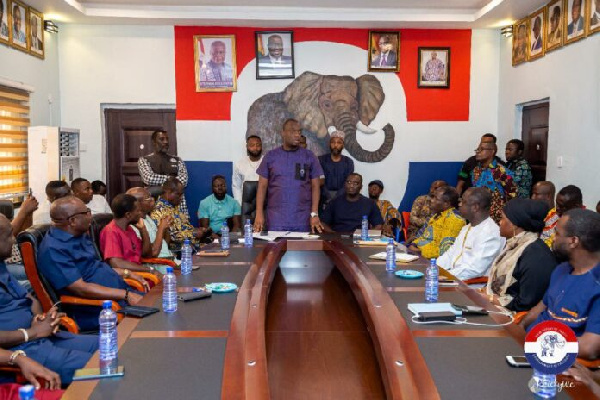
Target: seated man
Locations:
point(345, 212)
point(545, 191)
point(389, 213)
point(158, 235)
point(54, 190)
point(27, 332)
point(82, 189)
point(420, 213)
point(22, 221)
point(168, 206)
point(435, 238)
point(119, 243)
point(99, 188)
point(573, 296)
point(478, 243)
point(67, 259)
point(31, 370)
point(219, 207)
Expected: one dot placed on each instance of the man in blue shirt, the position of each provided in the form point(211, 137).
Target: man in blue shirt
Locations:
point(67, 259)
point(345, 213)
point(220, 207)
point(336, 167)
point(26, 331)
point(573, 296)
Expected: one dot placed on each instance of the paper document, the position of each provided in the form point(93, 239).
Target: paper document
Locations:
point(400, 257)
point(272, 235)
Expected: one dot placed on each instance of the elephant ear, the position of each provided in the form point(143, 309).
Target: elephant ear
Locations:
point(302, 100)
point(370, 98)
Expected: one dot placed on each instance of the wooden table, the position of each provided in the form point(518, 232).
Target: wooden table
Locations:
point(312, 319)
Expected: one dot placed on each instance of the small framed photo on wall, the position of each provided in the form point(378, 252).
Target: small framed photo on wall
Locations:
point(384, 51)
point(214, 63)
point(575, 20)
point(19, 25)
point(594, 13)
point(36, 33)
point(274, 55)
point(434, 67)
point(519, 42)
point(553, 25)
point(535, 34)
point(4, 24)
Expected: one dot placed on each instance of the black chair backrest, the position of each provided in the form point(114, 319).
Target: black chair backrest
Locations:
point(155, 191)
point(249, 201)
point(7, 208)
point(99, 221)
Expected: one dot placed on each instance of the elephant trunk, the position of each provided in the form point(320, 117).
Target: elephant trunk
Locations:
point(347, 124)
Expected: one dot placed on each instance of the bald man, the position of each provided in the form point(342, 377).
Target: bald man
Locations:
point(159, 235)
point(67, 259)
point(545, 191)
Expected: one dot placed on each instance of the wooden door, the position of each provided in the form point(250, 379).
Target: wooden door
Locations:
point(535, 137)
point(128, 137)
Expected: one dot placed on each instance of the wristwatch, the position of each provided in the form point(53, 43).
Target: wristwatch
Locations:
point(313, 214)
point(14, 355)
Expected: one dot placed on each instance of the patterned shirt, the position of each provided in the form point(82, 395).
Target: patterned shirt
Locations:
point(151, 178)
point(180, 228)
point(435, 70)
point(388, 211)
point(439, 234)
point(521, 176)
point(420, 213)
point(550, 227)
point(498, 179)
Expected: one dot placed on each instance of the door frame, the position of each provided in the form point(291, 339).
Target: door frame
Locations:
point(518, 129)
point(122, 106)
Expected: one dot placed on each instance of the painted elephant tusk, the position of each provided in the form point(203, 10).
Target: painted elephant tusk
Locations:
point(364, 129)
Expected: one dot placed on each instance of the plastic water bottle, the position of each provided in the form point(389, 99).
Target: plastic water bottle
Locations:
point(544, 386)
point(390, 256)
point(108, 339)
point(27, 392)
point(186, 258)
point(248, 231)
point(225, 236)
point(169, 291)
point(364, 228)
point(431, 282)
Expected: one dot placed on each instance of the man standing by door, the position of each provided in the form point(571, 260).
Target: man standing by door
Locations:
point(157, 167)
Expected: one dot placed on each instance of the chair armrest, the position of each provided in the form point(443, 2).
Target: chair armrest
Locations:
point(135, 284)
point(80, 301)
point(151, 278)
point(589, 364)
point(518, 317)
point(69, 324)
point(479, 279)
point(162, 261)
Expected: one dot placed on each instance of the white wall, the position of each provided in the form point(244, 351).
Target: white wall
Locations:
point(570, 78)
point(111, 64)
point(42, 75)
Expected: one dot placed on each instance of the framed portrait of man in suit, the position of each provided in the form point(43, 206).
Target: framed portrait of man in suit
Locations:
point(594, 16)
point(215, 63)
point(553, 25)
point(576, 17)
point(4, 24)
point(384, 51)
point(519, 42)
point(535, 34)
point(18, 25)
point(36, 33)
point(274, 54)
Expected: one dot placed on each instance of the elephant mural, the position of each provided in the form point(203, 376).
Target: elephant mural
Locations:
point(323, 103)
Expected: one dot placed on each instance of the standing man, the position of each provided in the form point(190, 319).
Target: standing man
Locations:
point(157, 167)
point(335, 166)
point(219, 207)
point(245, 169)
point(82, 189)
point(291, 175)
point(519, 166)
point(545, 191)
point(464, 176)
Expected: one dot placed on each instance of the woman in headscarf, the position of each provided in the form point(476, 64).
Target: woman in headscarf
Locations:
point(521, 273)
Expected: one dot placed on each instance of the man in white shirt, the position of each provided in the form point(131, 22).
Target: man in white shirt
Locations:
point(478, 243)
point(82, 188)
point(54, 190)
point(245, 169)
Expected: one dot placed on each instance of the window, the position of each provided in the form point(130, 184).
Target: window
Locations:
point(14, 121)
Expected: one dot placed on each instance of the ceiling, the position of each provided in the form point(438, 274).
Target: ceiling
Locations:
point(375, 14)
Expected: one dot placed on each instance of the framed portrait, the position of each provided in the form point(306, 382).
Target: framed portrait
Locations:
point(384, 51)
point(594, 16)
point(575, 20)
point(18, 25)
point(274, 54)
point(36, 33)
point(553, 25)
point(519, 41)
point(434, 67)
point(535, 34)
point(4, 23)
point(214, 62)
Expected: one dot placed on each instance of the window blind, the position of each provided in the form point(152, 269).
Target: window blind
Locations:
point(14, 121)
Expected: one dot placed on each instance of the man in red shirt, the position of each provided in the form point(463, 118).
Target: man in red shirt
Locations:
point(119, 244)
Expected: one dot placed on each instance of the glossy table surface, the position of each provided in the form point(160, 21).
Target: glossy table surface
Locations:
point(318, 343)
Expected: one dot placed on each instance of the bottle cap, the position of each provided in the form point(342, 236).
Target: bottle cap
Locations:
point(107, 304)
point(169, 270)
point(186, 241)
point(391, 241)
point(248, 221)
point(26, 392)
point(364, 217)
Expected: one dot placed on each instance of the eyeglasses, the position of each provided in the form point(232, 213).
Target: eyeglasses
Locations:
point(87, 212)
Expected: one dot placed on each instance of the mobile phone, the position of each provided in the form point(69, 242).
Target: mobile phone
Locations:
point(436, 316)
point(84, 374)
point(472, 310)
point(518, 361)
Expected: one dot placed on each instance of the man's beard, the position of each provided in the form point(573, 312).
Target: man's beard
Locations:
point(373, 197)
point(335, 152)
point(254, 154)
point(560, 255)
point(220, 196)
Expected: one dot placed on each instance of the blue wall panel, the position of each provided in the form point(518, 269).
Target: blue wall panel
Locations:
point(420, 176)
point(199, 182)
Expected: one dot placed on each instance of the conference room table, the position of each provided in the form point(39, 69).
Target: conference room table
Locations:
point(313, 319)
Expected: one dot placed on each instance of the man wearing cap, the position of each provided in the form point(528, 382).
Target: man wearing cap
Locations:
point(335, 166)
point(390, 215)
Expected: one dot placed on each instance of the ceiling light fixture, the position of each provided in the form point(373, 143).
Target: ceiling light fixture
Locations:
point(507, 31)
point(50, 26)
